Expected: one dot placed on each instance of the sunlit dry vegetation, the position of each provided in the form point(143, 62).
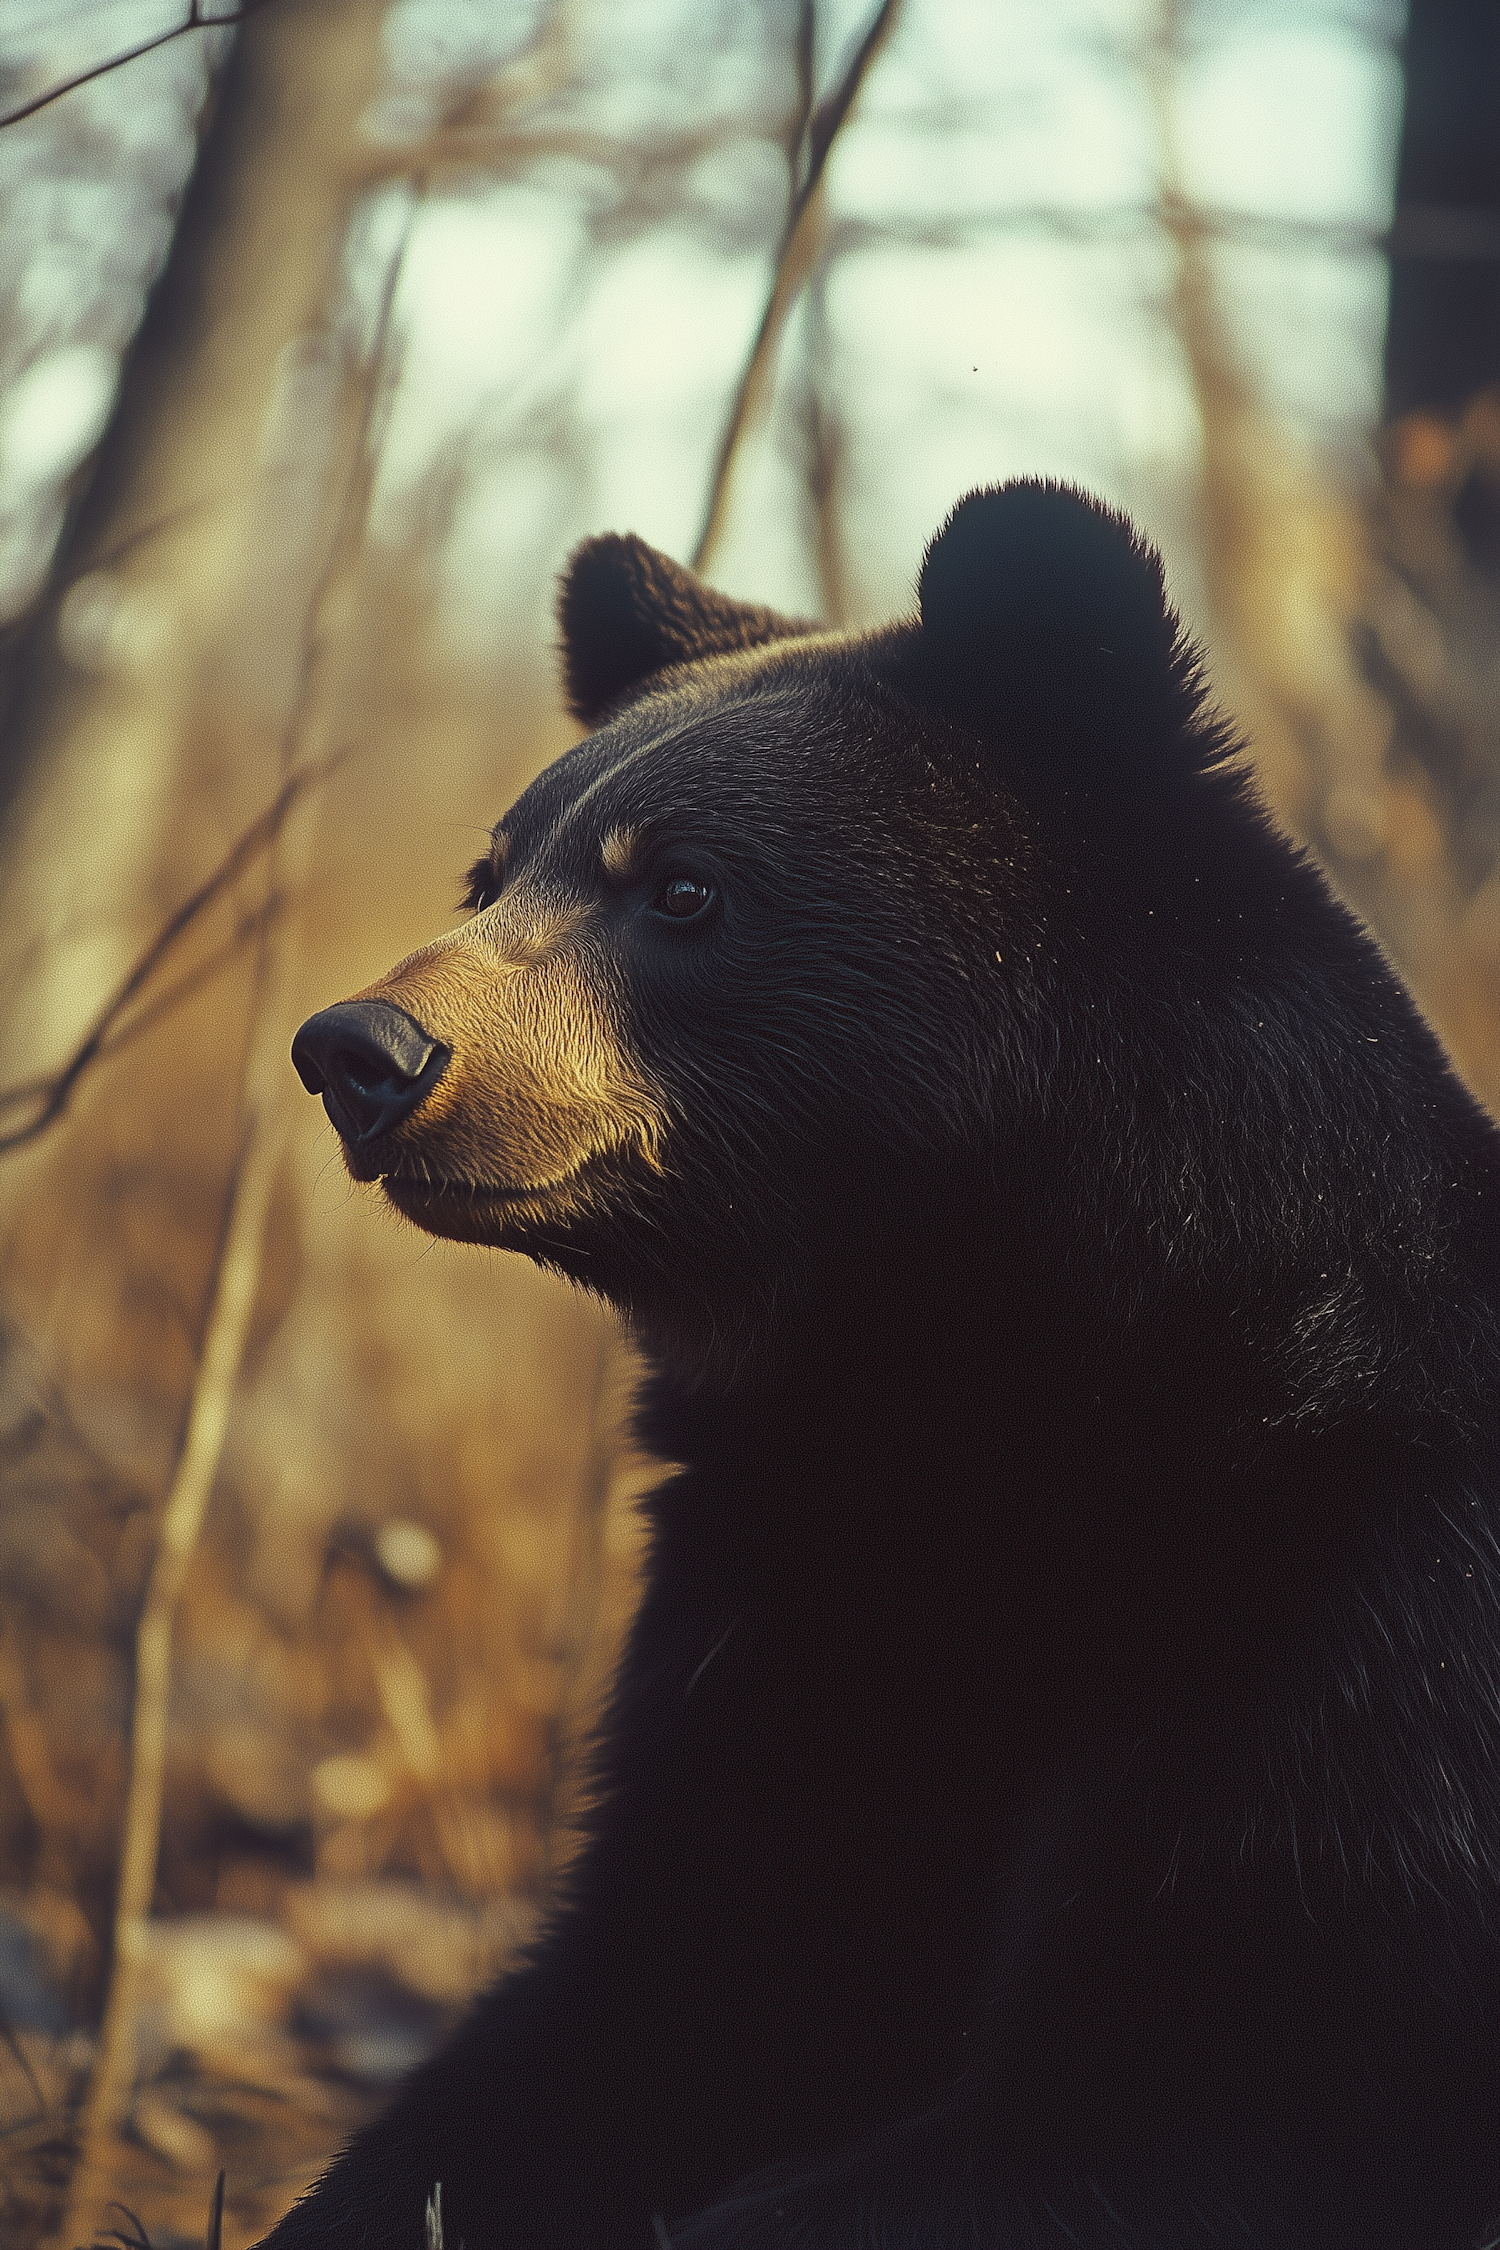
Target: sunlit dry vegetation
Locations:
point(315, 1540)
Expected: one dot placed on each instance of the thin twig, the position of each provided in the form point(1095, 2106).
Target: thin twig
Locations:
point(250, 926)
point(13, 2045)
point(195, 20)
point(235, 1287)
point(825, 446)
point(53, 1093)
point(130, 542)
point(1112, 225)
point(136, 2239)
point(812, 139)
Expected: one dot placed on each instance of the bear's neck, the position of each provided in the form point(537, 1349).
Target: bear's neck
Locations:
point(970, 1439)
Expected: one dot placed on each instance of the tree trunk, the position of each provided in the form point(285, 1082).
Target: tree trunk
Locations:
point(1443, 336)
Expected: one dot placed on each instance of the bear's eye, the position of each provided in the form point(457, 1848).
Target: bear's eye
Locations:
point(483, 886)
point(681, 897)
point(486, 878)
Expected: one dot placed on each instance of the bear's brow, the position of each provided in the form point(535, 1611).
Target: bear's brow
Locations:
point(618, 850)
point(639, 754)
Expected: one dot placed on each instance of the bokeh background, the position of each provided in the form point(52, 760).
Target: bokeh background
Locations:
point(323, 337)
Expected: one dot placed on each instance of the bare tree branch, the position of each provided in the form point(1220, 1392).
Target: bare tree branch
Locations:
point(195, 20)
point(814, 134)
point(53, 1093)
point(234, 1288)
point(1121, 223)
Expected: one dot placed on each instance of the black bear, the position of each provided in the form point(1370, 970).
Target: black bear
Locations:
point(1052, 1792)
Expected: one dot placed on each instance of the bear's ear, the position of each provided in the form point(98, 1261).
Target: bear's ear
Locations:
point(627, 611)
point(1038, 602)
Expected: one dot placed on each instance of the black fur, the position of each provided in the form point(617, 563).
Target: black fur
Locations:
point(1052, 1795)
point(628, 612)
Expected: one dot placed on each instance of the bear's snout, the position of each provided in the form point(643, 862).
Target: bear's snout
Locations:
point(372, 1063)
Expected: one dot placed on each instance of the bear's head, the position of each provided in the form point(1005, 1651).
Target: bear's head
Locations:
point(822, 948)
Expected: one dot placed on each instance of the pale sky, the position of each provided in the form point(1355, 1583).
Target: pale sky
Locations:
point(994, 303)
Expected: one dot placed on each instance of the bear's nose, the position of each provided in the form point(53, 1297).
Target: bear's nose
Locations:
point(371, 1063)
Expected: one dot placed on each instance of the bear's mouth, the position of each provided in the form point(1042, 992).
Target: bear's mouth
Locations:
point(468, 1210)
point(404, 1187)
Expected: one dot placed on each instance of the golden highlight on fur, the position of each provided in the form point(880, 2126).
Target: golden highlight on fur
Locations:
point(617, 853)
point(539, 1087)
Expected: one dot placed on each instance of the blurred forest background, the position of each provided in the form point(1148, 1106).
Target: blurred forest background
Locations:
point(323, 336)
